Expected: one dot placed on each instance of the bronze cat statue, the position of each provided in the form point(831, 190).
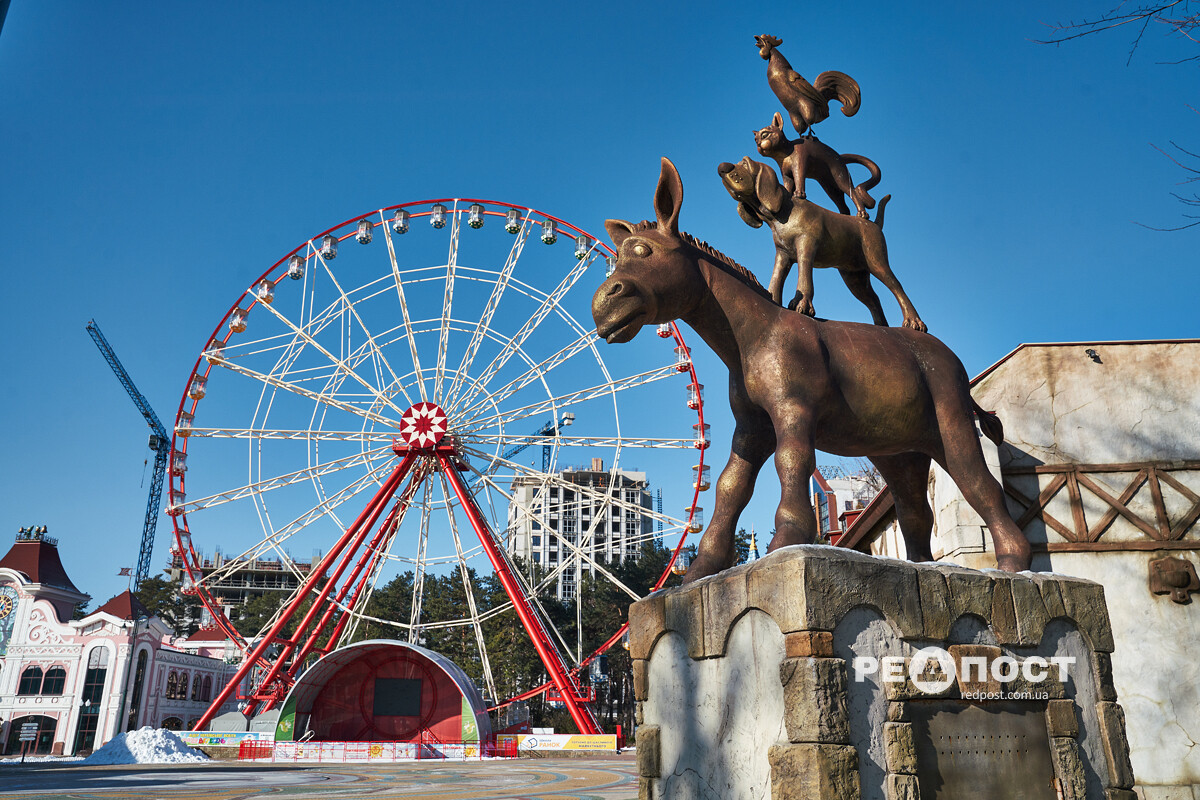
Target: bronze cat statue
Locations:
point(809, 157)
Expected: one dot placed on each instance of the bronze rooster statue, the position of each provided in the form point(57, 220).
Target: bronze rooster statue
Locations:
point(806, 103)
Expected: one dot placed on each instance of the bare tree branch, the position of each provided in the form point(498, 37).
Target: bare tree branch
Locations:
point(1183, 21)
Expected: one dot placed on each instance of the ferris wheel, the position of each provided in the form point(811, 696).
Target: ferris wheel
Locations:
point(381, 395)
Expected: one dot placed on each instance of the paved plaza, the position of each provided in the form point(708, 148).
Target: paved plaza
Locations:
point(603, 778)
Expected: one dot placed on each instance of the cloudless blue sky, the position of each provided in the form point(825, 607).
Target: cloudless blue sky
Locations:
point(156, 157)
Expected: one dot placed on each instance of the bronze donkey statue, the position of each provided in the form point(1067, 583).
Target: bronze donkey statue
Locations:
point(895, 395)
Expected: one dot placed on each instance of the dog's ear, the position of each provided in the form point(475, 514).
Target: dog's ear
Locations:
point(777, 120)
point(748, 216)
point(618, 231)
point(766, 186)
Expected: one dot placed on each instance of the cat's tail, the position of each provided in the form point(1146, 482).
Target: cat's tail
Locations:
point(861, 191)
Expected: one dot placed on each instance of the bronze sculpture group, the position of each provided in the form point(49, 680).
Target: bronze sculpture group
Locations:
point(897, 396)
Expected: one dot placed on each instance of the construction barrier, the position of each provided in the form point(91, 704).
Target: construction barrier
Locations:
point(372, 752)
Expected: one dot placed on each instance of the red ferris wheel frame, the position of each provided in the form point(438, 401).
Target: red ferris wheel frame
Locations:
point(349, 562)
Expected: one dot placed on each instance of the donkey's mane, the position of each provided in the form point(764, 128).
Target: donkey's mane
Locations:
point(735, 269)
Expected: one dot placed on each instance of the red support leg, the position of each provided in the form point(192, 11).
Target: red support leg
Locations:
point(582, 714)
point(379, 502)
point(371, 512)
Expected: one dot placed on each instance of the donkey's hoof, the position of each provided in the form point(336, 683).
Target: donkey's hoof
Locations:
point(702, 567)
point(1014, 562)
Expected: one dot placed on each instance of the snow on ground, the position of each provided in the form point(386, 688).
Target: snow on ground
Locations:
point(8, 762)
point(145, 746)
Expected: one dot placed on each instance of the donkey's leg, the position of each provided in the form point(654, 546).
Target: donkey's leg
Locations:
point(859, 284)
point(907, 477)
point(753, 442)
point(795, 460)
point(963, 459)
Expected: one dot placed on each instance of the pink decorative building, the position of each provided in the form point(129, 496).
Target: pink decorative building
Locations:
point(84, 681)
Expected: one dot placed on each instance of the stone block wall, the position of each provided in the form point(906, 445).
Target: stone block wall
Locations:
point(749, 683)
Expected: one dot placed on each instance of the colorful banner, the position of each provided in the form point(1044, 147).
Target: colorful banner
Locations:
point(223, 738)
point(559, 741)
point(378, 752)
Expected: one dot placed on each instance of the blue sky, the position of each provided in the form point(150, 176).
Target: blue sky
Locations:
point(158, 157)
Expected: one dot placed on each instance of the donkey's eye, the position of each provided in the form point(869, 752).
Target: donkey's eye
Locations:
point(641, 250)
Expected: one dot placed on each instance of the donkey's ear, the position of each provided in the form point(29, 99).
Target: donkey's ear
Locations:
point(748, 216)
point(777, 120)
point(668, 197)
point(618, 230)
point(767, 187)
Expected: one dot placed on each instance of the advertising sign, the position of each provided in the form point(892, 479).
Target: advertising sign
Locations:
point(560, 741)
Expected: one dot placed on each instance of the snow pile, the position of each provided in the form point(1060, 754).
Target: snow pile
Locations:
point(146, 746)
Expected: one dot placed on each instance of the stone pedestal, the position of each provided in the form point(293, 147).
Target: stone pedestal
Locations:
point(791, 678)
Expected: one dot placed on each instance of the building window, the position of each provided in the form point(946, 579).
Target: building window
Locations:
point(196, 689)
point(55, 680)
point(537, 541)
point(135, 699)
point(31, 681)
point(537, 558)
point(206, 692)
point(93, 693)
point(182, 687)
point(45, 735)
point(172, 685)
point(172, 724)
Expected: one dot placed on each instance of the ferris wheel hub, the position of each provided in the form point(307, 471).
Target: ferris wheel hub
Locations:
point(423, 426)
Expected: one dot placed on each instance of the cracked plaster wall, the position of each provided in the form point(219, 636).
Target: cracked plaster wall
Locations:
point(1141, 402)
point(718, 716)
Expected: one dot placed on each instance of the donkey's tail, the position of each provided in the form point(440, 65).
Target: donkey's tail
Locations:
point(861, 191)
point(882, 205)
point(991, 425)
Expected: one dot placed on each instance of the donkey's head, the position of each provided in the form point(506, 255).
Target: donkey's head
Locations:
point(656, 278)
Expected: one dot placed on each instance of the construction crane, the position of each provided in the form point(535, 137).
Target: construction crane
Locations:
point(551, 428)
point(160, 443)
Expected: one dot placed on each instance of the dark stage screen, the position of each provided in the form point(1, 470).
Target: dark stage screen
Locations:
point(397, 697)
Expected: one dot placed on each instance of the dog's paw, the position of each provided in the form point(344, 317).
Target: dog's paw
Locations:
point(916, 324)
point(802, 305)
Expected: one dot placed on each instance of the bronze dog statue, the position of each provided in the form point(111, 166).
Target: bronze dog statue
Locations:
point(810, 236)
point(809, 157)
point(894, 395)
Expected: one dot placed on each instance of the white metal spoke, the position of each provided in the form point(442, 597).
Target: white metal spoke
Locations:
point(549, 304)
point(489, 310)
point(299, 434)
point(540, 371)
point(340, 363)
point(412, 344)
point(418, 596)
point(468, 589)
point(319, 397)
point(581, 441)
point(350, 306)
point(567, 400)
point(577, 551)
point(326, 507)
point(596, 495)
point(259, 488)
point(439, 375)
